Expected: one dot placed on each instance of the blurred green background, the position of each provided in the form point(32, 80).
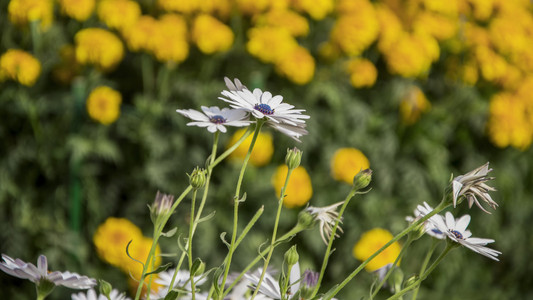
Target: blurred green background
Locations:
point(423, 88)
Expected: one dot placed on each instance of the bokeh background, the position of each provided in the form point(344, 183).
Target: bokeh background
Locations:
point(421, 88)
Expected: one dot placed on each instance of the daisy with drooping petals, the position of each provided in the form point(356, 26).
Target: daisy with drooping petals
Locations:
point(472, 185)
point(455, 230)
point(270, 286)
point(182, 281)
point(326, 216)
point(214, 118)
point(429, 226)
point(92, 295)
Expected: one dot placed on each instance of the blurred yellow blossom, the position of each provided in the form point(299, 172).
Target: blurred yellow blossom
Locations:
point(139, 249)
point(23, 12)
point(221, 8)
point(252, 7)
point(98, 47)
point(297, 65)
point(413, 104)
point(329, 51)
point(103, 105)
point(112, 237)
point(269, 44)
point(170, 39)
point(492, 65)
point(118, 14)
point(296, 24)
point(346, 163)
point(481, 10)
point(211, 35)
point(20, 66)
point(317, 9)
point(79, 10)
point(68, 68)
point(390, 27)
point(439, 26)
point(140, 36)
point(181, 6)
point(362, 72)
point(370, 242)
point(262, 152)
point(299, 189)
point(411, 55)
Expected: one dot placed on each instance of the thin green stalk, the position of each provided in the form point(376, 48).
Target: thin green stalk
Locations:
point(36, 37)
point(434, 243)
point(389, 272)
point(189, 243)
point(444, 204)
point(425, 275)
point(330, 243)
point(232, 148)
point(274, 232)
point(236, 199)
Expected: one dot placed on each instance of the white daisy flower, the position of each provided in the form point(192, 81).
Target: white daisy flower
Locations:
point(270, 286)
point(472, 185)
point(281, 116)
point(91, 295)
point(216, 119)
point(182, 281)
point(457, 232)
point(429, 226)
point(24, 270)
point(327, 216)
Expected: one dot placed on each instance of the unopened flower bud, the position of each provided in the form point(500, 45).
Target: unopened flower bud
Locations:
point(197, 178)
point(162, 205)
point(306, 220)
point(362, 179)
point(293, 158)
point(411, 280)
point(396, 279)
point(105, 287)
point(291, 256)
point(309, 281)
point(198, 267)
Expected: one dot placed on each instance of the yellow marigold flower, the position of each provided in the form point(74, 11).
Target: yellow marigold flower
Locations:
point(299, 189)
point(211, 35)
point(98, 47)
point(444, 7)
point(438, 26)
point(297, 65)
point(181, 6)
point(252, 7)
point(346, 163)
point(140, 36)
point(139, 249)
point(170, 40)
point(413, 105)
point(269, 44)
point(492, 65)
point(79, 10)
point(370, 242)
point(103, 105)
point(317, 9)
point(262, 152)
point(355, 31)
point(221, 8)
point(481, 10)
point(20, 66)
point(296, 24)
point(390, 27)
point(119, 14)
point(412, 54)
point(475, 36)
point(22, 12)
point(112, 237)
point(362, 72)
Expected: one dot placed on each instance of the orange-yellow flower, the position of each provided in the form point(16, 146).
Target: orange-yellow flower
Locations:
point(296, 24)
point(140, 36)
point(411, 55)
point(413, 104)
point(252, 7)
point(346, 163)
point(79, 10)
point(317, 9)
point(262, 152)
point(181, 6)
point(297, 65)
point(103, 105)
point(362, 72)
point(299, 189)
point(211, 35)
point(370, 242)
point(98, 47)
point(119, 14)
point(112, 237)
point(23, 12)
point(269, 44)
point(170, 39)
point(20, 66)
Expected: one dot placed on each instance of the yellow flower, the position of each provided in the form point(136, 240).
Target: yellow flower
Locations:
point(492, 65)
point(80, 10)
point(119, 14)
point(370, 242)
point(297, 65)
point(211, 35)
point(438, 26)
point(390, 27)
point(103, 105)
point(317, 9)
point(170, 39)
point(22, 12)
point(413, 104)
point(140, 36)
point(20, 66)
point(181, 6)
point(346, 163)
point(299, 189)
point(98, 47)
point(296, 24)
point(68, 68)
point(139, 249)
point(252, 7)
point(362, 72)
point(262, 152)
point(411, 55)
point(269, 44)
point(479, 9)
point(112, 237)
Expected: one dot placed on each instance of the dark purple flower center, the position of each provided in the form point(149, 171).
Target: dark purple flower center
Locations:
point(264, 108)
point(457, 234)
point(217, 119)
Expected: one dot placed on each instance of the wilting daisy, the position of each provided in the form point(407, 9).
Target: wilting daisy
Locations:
point(455, 229)
point(281, 116)
point(429, 227)
point(326, 217)
point(270, 286)
point(472, 185)
point(181, 281)
point(215, 118)
point(91, 295)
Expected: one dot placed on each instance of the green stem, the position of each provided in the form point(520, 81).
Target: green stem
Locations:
point(443, 205)
point(434, 243)
point(236, 199)
point(425, 275)
point(274, 232)
point(331, 239)
point(35, 37)
point(189, 242)
point(232, 148)
point(389, 272)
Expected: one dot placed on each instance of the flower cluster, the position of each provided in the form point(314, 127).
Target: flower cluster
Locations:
point(103, 105)
point(20, 66)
